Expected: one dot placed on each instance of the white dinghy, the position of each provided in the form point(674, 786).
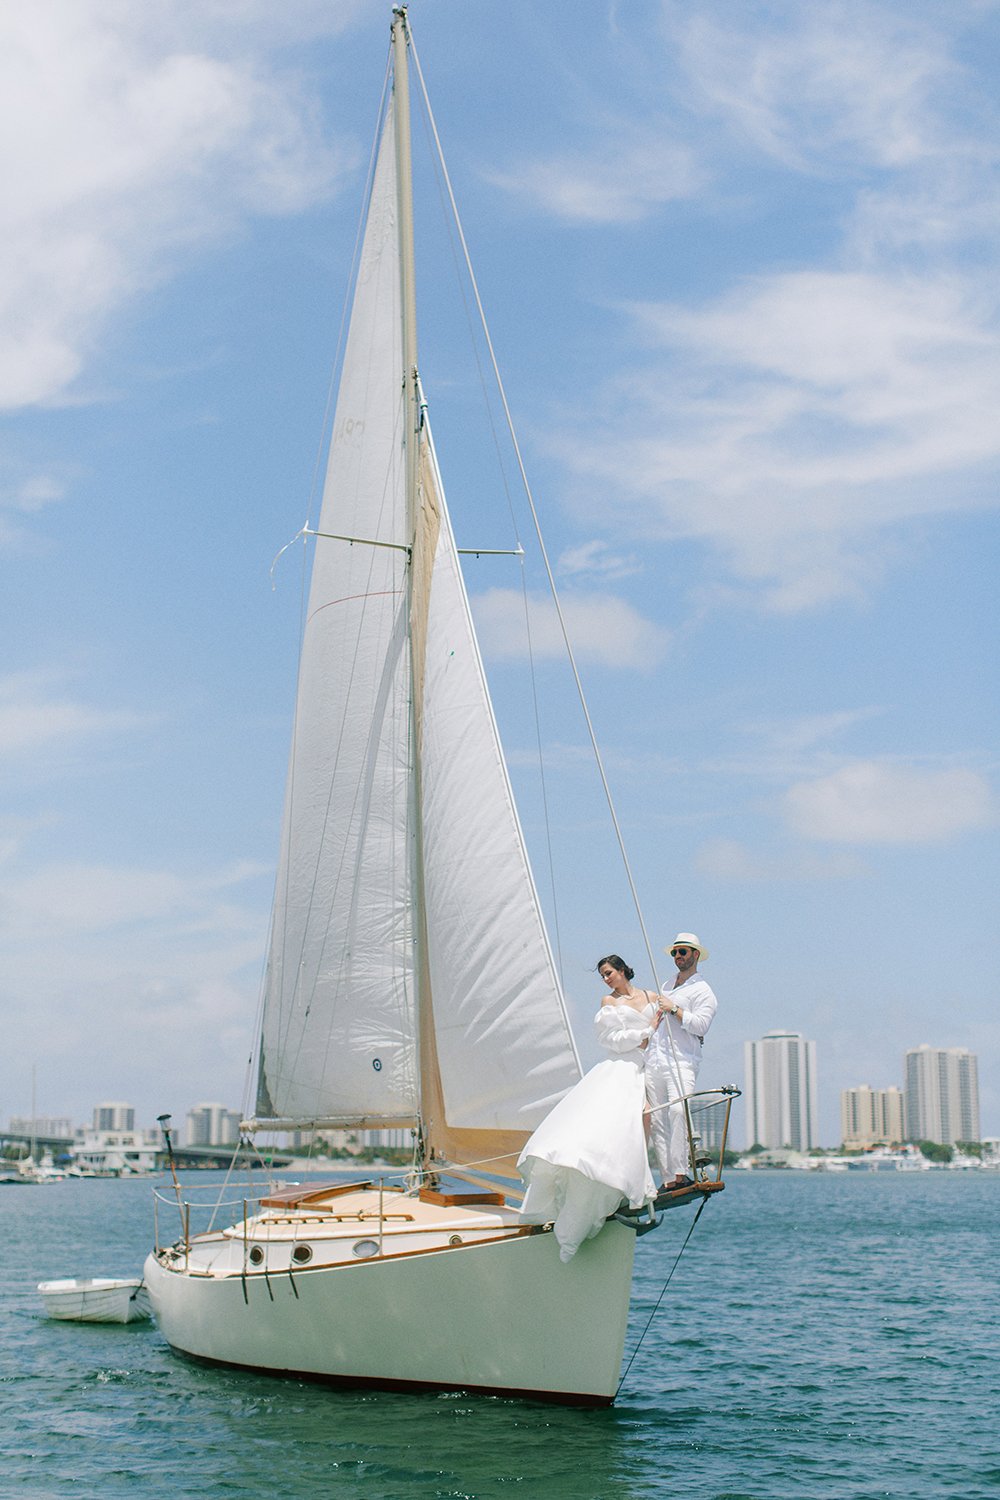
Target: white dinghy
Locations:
point(96, 1300)
point(410, 982)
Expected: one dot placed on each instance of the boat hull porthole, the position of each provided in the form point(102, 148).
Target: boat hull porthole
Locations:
point(455, 1239)
point(301, 1254)
point(365, 1249)
point(256, 1255)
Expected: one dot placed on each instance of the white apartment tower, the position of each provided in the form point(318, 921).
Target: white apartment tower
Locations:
point(212, 1125)
point(942, 1095)
point(781, 1108)
point(870, 1116)
point(114, 1115)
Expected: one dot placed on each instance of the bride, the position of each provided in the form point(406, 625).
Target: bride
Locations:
point(589, 1153)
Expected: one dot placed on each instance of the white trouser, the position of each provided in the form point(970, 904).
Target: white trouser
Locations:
point(667, 1127)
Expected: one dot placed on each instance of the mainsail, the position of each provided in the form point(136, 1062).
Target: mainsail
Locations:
point(409, 978)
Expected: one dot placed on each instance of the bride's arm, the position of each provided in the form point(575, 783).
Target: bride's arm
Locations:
point(621, 1029)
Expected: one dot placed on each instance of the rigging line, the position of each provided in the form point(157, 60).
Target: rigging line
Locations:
point(660, 1298)
point(543, 784)
point(239, 1157)
point(534, 516)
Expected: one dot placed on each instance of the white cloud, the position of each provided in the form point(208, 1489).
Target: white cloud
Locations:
point(799, 422)
point(595, 558)
point(622, 180)
point(792, 748)
point(835, 85)
point(63, 901)
point(133, 142)
point(802, 732)
point(797, 416)
point(36, 713)
point(602, 629)
point(869, 802)
point(729, 860)
point(33, 492)
point(24, 493)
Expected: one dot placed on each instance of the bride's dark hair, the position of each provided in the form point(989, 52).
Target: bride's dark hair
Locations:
point(616, 963)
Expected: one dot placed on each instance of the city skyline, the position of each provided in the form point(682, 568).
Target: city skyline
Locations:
point(788, 1064)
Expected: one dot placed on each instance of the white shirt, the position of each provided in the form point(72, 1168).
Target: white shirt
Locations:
point(698, 1004)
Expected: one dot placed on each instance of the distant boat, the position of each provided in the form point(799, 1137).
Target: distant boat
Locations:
point(96, 1300)
point(35, 1173)
point(113, 1153)
point(908, 1158)
point(410, 983)
point(30, 1171)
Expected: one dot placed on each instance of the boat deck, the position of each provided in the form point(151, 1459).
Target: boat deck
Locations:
point(313, 1225)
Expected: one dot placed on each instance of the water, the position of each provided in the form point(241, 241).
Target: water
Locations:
point(824, 1336)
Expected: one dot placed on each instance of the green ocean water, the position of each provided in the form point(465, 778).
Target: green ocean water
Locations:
point(823, 1336)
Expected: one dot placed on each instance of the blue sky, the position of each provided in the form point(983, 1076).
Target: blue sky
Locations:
point(740, 265)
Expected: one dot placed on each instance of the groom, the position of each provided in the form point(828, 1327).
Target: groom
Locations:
point(673, 1058)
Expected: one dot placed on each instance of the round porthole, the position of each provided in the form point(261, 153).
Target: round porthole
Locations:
point(455, 1239)
point(365, 1249)
point(256, 1255)
point(302, 1253)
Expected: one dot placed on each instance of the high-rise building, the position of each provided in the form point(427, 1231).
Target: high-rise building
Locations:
point(212, 1125)
point(50, 1125)
point(781, 1108)
point(870, 1116)
point(942, 1095)
point(399, 1138)
point(114, 1116)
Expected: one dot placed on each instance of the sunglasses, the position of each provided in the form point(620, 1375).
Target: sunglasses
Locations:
point(680, 952)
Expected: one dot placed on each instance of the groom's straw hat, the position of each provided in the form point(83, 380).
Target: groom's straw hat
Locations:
point(688, 940)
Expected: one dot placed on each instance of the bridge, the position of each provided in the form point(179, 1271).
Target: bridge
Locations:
point(190, 1157)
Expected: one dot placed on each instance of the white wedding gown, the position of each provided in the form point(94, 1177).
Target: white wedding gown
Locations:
point(588, 1156)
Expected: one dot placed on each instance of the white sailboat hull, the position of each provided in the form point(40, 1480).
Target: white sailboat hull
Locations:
point(501, 1316)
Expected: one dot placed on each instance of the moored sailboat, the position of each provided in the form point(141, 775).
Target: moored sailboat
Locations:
point(410, 983)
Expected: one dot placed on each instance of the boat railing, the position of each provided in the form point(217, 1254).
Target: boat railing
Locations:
point(197, 1215)
point(707, 1114)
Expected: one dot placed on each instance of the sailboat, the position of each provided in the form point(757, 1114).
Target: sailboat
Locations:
point(410, 982)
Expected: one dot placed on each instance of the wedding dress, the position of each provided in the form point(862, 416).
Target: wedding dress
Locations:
point(589, 1153)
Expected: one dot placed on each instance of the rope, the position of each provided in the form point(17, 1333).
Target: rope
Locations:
point(660, 1298)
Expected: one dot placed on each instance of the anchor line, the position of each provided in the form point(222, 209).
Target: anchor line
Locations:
point(660, 1298)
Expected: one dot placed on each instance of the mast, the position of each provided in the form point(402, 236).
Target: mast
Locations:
point(419, 565)
point(404, 194)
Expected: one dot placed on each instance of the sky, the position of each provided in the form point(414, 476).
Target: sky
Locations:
point(740, 267)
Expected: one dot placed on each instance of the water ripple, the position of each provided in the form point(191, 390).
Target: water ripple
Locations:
point(825, 1339)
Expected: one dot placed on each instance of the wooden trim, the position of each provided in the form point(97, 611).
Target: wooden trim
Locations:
point(523, 1231)
point(453, 1200)
point(292, 1197)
